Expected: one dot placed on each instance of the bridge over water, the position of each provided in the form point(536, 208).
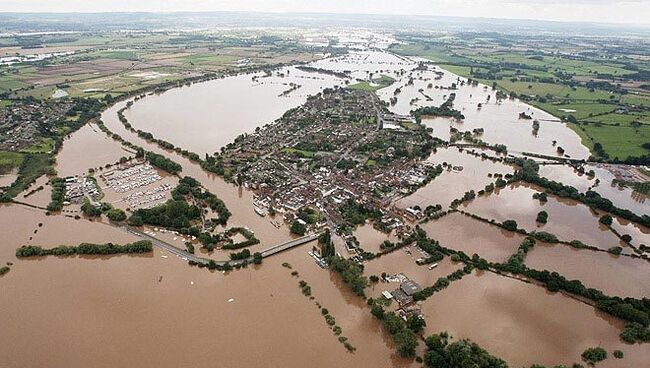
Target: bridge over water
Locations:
point(192, 257)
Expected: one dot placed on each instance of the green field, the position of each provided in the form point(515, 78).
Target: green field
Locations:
point(297, 152)
point(381, 82)
point(9, 160)
point(536, 78)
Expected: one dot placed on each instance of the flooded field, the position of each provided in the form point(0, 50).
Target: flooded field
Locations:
point(613, 275)
point(622, 197)
point(370, 238)
point(499, 119)
point(34, 195)
point(88, 148)
point(86, 301)
point(214, 113)
point(568, 220)
point(460, 232)
point(525, 324)
point(466, 172)
point(403, 261)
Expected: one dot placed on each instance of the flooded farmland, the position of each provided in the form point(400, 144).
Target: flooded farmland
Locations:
point(214, 113)
point(601, 182)
point(463, 233)
point(86, 301)
point(613, 275)
point(88, 148)
point(464, 172)
point(499, 118)
point(525, 324)
point(568, 220)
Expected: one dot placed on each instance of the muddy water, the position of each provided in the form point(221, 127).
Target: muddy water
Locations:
point(238, 200)
point(370, 238)
point(639, 233)
point(39, 198)
point(461, 232)
point(452, 184)
point(88, 148)
point(499, 119)
point(622, 197)
point(77, 304)
point(404, 261)
point(206, 116)
point(525, 324)
point(568, 220)
point(614, 275)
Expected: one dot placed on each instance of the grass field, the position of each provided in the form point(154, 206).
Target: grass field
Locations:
point(379, 83)
point(297, 152)
point(45, 146)
point(9, 161)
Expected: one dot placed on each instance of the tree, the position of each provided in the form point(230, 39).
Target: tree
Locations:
point(594, 355)
point(415, 323)
point(606, 220)
point(510, 225)
point(257, 257)
point(116, 214)
point(298, 228)
point(542, 217)
point(406, 342)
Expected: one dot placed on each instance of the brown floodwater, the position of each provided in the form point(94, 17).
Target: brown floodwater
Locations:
point(206, 116)
point(400, 261)
point(77, 304)
point(463, 233)
point(452, 184)
point(370, 238)
point(614, 275)
point(39, 198)
point(499, 119)
point(525, 324)
point(639, 233)
point(88, 148)
point(567, 219)
point(622, 197)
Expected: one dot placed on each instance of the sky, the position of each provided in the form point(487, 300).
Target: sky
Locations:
point(602, 11)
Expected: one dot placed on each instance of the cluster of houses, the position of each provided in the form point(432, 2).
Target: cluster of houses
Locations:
point(403, 295)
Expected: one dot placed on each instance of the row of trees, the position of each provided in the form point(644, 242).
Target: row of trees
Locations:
point(142, 246)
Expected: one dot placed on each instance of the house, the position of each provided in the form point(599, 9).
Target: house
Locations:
point(410, 287)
